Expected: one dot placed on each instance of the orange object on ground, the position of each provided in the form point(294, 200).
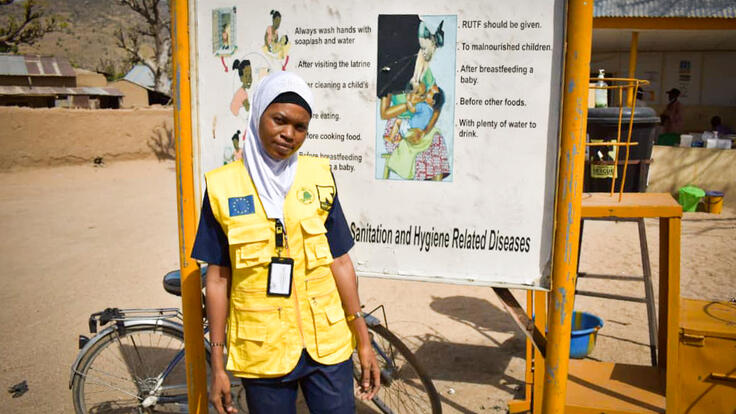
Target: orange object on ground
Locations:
point(714, 202)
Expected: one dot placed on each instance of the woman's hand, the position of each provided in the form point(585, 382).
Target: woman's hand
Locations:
point(370, 377)
point(220, 393)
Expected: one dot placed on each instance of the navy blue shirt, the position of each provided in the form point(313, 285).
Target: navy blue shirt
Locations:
point(211, 245)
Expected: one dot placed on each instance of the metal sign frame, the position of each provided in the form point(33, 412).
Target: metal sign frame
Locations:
point(566, 217)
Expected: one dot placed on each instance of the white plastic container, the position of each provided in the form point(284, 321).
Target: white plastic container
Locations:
point(711, 143)
point(686, 140)
point(601, 95)
point(723, 144)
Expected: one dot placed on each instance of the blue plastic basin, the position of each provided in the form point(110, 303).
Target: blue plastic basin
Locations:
point(585, 328)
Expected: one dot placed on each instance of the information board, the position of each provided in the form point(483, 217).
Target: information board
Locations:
point(440, 119)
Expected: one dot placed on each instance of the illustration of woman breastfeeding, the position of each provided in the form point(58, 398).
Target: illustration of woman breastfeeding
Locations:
point(411, 101)
point(276, 47)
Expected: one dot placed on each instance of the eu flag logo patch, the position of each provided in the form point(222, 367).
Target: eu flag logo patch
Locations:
point(240, 206)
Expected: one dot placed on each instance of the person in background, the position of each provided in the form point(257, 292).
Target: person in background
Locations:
point(640, 102)
point(672, 116)
point(717, 126)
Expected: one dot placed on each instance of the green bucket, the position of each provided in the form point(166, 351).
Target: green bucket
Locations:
point(689, 197)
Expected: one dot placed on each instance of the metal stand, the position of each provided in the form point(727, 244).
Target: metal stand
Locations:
point(600, 386)
point(647, 278)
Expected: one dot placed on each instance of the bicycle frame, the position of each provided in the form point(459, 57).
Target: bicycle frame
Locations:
point(160, 380)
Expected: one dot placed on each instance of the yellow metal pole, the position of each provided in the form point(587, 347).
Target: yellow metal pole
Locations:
point(191, 285)
point(569, 196)
point(633, 51)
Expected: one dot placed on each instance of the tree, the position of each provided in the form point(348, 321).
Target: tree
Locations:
point(27, 30)
point(154, 27)
point(109, 68)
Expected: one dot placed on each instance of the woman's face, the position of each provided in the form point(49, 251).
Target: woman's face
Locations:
point(283, 129)
point(247, 77)
point(427, 47)
point(276, 22)
point(225, 35)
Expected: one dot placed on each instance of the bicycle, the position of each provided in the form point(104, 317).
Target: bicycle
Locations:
point(135, 364)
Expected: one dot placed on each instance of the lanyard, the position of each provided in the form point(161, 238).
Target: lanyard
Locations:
point(280, 237)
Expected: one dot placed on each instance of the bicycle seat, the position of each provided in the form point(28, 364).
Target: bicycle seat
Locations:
point(172, 280)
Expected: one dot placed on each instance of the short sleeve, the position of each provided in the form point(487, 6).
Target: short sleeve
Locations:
point(210, 244)
point(338, 232)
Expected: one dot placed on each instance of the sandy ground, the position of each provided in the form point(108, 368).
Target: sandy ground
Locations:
point(77, 239)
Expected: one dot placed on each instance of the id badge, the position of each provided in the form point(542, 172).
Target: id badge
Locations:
point(280, 273)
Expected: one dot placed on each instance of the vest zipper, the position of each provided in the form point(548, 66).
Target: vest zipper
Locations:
point(298, 314)
point(296, 296)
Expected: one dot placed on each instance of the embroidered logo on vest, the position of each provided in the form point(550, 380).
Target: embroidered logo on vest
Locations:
point(240, 206)
point(305, 195)
point(326, 194)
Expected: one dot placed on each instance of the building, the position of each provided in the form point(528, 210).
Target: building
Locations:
point(90, 79)
point(47, 82)
point(683, 44)
point(138, 88)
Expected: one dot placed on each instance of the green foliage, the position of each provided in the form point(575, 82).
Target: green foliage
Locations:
point(111, 69)
point(29, 27)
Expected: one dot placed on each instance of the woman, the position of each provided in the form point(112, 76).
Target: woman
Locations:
point(270, 228)
point(672, 118)
point(274, 46)
point(271, 37)
point(240, 97)
point(428, 44)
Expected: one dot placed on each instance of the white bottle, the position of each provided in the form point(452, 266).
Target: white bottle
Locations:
point(601, 95)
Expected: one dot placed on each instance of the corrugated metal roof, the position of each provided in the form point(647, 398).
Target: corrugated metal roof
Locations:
point(56, 90)
point(142, 75)
point(665, 8)
point(12, 65)
point(34, 65)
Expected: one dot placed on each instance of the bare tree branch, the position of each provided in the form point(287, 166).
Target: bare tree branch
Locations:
point(155, 29)
point(32, 27)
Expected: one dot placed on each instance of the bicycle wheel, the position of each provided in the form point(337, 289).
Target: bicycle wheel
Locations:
point(405, 386)
point(123, 372)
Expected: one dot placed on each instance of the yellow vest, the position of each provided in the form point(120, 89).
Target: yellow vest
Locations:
point(266, 334)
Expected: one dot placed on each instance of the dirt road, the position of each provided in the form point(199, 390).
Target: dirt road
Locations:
point(77, 239)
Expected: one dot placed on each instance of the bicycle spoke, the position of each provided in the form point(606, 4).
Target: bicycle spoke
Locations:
point(137, 352)
point(124, 380)
point(130, 368)
point(170, 389)
point(113, 387)
point(405, 389)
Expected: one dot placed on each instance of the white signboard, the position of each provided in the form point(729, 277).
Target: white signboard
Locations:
point(440, 120)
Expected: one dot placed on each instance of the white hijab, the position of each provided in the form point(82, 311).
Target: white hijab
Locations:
point(272, 178)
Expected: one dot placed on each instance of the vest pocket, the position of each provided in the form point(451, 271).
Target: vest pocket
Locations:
point(250, 245)
point(257, 346)
point(252, 332)
point(330, 328)
point(320, 282)
point(316, 247)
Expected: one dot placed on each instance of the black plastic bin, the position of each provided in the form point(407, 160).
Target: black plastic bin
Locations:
point(603, 125)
